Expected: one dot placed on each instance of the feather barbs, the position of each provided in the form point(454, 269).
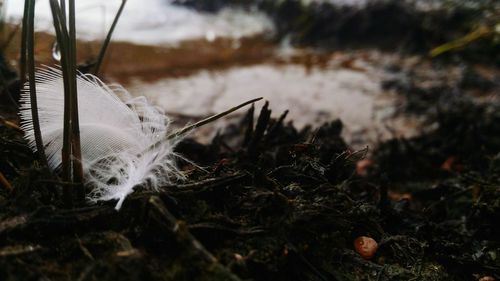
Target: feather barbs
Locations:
point(123, 138)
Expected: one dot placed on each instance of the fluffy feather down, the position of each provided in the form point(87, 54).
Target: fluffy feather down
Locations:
point(116, 134)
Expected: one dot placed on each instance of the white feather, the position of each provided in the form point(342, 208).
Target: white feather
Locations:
point(116, 131)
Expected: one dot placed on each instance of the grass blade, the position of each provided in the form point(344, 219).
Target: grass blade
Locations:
point(71, 154)
point(105, 44)
point(75, 123)
point(63, 10)
point(24, 38)
point(62, 40)
point(30, 55)
point(205, 121)
point(210, 119)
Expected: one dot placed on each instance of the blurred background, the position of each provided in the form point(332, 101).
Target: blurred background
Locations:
point(381, 66)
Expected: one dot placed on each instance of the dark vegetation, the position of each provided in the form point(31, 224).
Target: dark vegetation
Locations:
point(401, 25)
point(276, 203)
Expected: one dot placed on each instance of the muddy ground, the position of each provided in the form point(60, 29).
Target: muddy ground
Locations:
point(275, 203)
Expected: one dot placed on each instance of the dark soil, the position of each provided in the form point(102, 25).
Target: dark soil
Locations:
point(274, 203)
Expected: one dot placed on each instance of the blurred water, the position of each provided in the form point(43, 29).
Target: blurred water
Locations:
point(149, 21)
point(157, 22)
point(312, 96)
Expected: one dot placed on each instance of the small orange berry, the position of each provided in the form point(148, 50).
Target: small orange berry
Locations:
point(366, 247)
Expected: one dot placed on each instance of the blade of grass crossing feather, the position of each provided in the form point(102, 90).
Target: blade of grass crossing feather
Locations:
point(75, 123)
point(72, 166)
point(62, 40)
point(105, 44)
point(210, 119)
point(203, 122)
point(30, 48)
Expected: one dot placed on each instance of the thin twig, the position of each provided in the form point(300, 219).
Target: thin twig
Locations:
point(105, 44)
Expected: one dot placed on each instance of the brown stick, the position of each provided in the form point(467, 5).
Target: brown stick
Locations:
point(5, 183)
